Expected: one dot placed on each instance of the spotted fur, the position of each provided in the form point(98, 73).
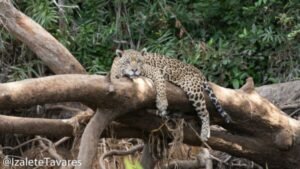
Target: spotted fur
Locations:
point(132, 63)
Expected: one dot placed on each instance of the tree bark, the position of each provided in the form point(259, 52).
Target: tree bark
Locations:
point(147, 160)
point(42, 43)
point(260, 131)
point(35, 126)
point(282, 93)
point(88, 144)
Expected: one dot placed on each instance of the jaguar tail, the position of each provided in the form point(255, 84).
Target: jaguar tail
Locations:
point(216, 103)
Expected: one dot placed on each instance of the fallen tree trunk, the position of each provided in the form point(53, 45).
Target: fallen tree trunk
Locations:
point(282, 93)
point(262, 132)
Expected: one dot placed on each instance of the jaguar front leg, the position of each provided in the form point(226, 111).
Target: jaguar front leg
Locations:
point(160, 85)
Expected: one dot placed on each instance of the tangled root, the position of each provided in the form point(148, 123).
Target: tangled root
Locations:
point(167, 137)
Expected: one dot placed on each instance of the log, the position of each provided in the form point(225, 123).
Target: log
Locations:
point(86, 89)
point(282, 93)
point(92, 132)
point(42, 43)
point(35, 126)
point(260, 131)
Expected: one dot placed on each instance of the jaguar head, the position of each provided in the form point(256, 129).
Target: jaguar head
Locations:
point(131, 62)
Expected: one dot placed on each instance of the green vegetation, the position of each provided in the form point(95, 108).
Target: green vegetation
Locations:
point(228, 40)
point(132, 164)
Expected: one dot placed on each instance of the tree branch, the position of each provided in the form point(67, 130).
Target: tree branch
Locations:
point(203, 160)
point(259, 128)
point(119, 153)
point(47, 48)
point(90, 136)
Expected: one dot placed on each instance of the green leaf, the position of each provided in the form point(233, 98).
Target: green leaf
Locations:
point(273, 80)
point(235, 83)
point(132, 164)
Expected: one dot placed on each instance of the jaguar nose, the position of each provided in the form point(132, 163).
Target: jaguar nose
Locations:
point(134, 70)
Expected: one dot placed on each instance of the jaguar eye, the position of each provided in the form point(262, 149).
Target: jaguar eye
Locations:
point(127, 61)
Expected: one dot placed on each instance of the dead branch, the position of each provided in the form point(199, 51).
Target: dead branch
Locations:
point(259, 128)
point(203, 160)
point(119, 153)
point(22, 144)
point(89, 141)
point(89, 89)
point(62, 140)
point(290, 106)
point(51, 150)
point(47, 48)
point(277, 93)
point(183, 164)
point(35, 126)
point(41, 126)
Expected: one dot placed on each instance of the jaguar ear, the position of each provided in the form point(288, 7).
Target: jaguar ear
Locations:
point(119, 53)
point(144, 51)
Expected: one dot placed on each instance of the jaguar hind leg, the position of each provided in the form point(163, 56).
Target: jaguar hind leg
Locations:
point(194, 91)
point(202, 113)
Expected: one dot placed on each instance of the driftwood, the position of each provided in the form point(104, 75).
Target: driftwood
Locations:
point(259, 128)
point(260, 131)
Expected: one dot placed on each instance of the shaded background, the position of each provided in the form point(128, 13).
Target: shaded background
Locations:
point(228, 40)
